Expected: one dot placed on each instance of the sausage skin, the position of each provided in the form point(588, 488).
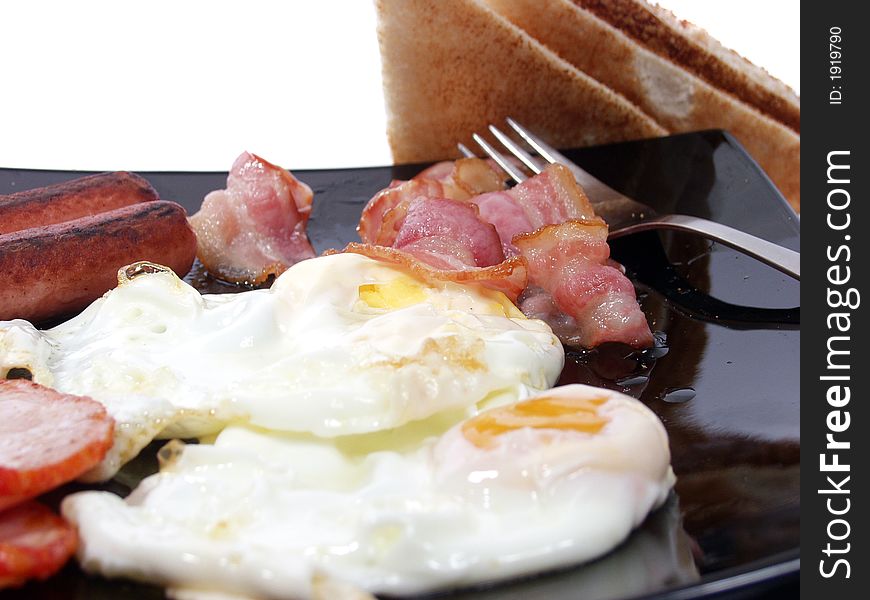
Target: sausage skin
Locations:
point(72, 199)
point(34, 544)
point(56, 270)
point(31, 414)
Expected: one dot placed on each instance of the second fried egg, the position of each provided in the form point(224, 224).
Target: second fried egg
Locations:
point(549, 481)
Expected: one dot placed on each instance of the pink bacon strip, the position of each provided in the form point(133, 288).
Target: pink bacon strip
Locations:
point(508, 277)
point(256, 226)
point(448, 226)
point(577, 291)
point(546, 199)
point(546, 221)
point(459, 180)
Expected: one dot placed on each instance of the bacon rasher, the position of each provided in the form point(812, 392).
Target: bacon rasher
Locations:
point(508, 277)
point(458, 180)
point(547, 222)
point(546, 199)
point(575, 288)
point(256, 226)
point(446, 232)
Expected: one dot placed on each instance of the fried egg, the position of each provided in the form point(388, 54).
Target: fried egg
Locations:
point(552, 480)
point(339, 345)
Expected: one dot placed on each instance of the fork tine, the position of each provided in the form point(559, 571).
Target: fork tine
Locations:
point(500, 159)
point(548, 152)
point(521, 154)
point(591, 184)
point(463, 149)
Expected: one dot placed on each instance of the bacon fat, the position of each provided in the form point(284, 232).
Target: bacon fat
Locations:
point(256, 226)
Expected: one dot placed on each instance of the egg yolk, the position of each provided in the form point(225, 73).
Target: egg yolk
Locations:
point(575, 414)
point(501, 306)
point(398, 293)
point(404, 291)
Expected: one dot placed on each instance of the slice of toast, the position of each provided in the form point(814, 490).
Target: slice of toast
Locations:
point(673, 96)
point(698, 52)
point(451, 67)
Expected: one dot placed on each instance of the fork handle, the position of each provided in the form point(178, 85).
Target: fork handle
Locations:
point(778, 257)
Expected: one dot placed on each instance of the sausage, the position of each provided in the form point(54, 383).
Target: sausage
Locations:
point(64, 436)
point(72, 199)
point(56, 270)
point(34, 544)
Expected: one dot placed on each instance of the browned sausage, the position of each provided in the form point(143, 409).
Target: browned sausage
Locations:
point(72, 200)
point(51, 271)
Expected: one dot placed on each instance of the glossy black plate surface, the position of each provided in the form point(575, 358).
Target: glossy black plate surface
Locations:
point(732, 529)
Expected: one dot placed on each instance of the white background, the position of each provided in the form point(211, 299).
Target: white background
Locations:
point(188, 85)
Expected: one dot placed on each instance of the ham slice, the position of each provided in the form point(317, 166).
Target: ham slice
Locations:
point(256, 226)
point(576, 288)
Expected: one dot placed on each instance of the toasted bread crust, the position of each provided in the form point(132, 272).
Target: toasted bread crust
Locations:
point(453, 67)
point(674, 97)
point(695, 50)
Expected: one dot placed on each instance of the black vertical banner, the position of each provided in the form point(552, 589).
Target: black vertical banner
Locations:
point(835, 170)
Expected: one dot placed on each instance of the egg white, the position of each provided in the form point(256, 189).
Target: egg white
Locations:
point(339, 345)
point(337, 402)
point(264, 514)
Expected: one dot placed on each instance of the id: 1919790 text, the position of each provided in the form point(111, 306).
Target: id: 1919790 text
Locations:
point(835, 57)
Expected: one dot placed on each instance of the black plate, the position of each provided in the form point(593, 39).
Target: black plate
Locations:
point(732, 529)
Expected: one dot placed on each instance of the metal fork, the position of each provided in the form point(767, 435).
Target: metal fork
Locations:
point(624, 215)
